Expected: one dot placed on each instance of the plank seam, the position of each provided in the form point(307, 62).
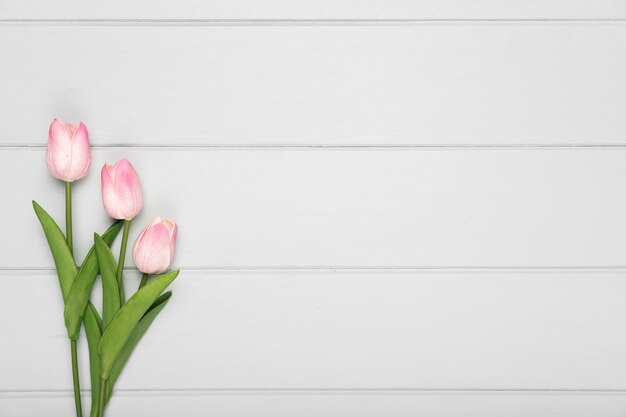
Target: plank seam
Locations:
point(331, 269)
point(300, 22)
point(325, 391)
point(13, 147)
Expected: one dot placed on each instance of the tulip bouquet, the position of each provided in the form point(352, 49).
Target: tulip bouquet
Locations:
point(113, 334)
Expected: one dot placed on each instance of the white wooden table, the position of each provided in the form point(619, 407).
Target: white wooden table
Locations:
point(386, 207)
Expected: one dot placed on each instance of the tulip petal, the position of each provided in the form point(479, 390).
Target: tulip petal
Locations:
point(109, 198)
point(59, 152)
point(152, 222)
point(80, 157)
point(152, 252)
point(121, 190)
point(105, 175)
point(173, 243)
point(72, 128)
point(60, 130)
point(129, 189)
point(68, 154)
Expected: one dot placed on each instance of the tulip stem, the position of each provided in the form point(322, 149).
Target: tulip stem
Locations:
point(68, 238)
point(144, 280)
point(68, 215)
point(79, 406)
point(103, 387)
point(120, 266)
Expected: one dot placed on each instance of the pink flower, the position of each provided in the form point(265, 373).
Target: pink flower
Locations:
point(121, 190)
point(155, 246)
point(68, 154)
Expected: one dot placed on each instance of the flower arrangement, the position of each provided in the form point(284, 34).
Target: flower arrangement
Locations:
point(113, 334)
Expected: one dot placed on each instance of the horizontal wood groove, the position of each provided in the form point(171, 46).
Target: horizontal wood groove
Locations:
point(335, 405)
point(360, 269)
point(16, 147)
point(316, 11)
point(316, 391)
point(293, 22)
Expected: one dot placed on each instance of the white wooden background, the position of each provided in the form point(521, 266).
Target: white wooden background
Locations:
point(386, 207)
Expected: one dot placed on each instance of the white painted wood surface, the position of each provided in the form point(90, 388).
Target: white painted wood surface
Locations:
point(277, 10)
point(363, 404)
point(350, 208)
point(386, 208)
point(424, 84)
point(346, 330)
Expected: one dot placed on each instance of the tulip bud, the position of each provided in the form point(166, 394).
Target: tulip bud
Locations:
point(68, 154)
point(121, 190)
point(155, 246)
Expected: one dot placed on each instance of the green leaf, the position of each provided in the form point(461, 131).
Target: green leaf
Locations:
point(135, 337)
point(121, 328)
point(79, 294)
point(108, 269)
point(63, 259)
point(93, 330)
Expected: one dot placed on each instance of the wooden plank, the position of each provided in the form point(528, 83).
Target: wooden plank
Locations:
point(437, 84)
point(192, 404)
point(314, 10)
point(312, 330)
point(345, 208)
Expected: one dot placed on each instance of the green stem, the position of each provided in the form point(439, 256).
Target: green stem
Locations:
point(68, 237)
point(68, 214)
point(103, 387)
point(120, 265)
point(144, 280)
point(79, 406)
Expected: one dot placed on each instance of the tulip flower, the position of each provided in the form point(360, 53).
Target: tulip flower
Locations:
point(121, 190)
point(122, 199)
point(68, 154)
point(112, 335)
point(155, 246)
point(68, 159)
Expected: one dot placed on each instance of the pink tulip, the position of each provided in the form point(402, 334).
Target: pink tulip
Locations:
point(121, 190)
point(68, 154)
point(155, 246)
